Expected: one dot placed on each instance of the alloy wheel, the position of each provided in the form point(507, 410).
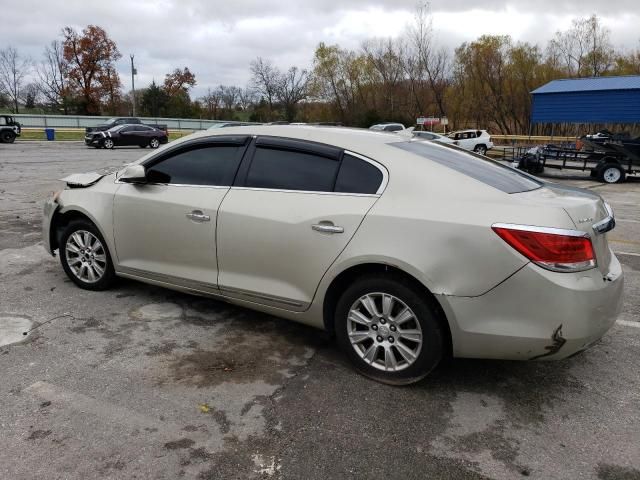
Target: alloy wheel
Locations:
point(384, 331)
point(86, 256)
point(154, 143)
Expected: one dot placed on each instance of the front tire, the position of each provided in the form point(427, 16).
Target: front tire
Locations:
point(8, 136)
point(389, 330)
point(108, 143)
point(85, 257)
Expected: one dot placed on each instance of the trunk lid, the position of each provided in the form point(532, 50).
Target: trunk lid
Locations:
point(584, 208)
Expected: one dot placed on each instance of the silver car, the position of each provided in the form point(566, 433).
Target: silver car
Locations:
point(408, 251)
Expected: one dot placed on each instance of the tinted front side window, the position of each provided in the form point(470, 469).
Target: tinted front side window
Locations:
point(291, 170)
point(489, 172)
point(357, 176)
point(208, 165)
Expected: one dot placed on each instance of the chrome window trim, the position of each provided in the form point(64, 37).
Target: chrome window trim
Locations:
point(307, 192)
point(217, 187)
point(549, 230)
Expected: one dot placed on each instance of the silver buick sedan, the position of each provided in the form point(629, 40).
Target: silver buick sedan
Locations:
point(407, 251)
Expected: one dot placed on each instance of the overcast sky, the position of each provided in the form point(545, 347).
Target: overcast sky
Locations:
point(218, 39)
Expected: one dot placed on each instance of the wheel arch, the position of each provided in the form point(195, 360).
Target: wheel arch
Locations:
point(62, 218)
point(350, 274)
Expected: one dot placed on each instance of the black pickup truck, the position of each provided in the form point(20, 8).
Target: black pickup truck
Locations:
point(114, 122)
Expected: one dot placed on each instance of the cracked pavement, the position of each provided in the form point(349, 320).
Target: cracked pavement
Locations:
point(143, 382)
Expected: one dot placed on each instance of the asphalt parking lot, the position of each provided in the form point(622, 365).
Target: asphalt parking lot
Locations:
point(142, 382)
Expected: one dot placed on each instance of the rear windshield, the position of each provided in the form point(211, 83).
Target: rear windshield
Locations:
point(489, 172)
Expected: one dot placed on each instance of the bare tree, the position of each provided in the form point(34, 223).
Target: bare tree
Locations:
point(386, 57)
point(265, 79)
point(585, 48)
point(431, 64)
point(13, 70)
point(247, 98)
point(211, 102)
point(291, 90)
point(52, 74)
point(229, 96)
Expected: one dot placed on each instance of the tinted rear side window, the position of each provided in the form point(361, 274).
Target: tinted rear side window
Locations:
point(204, 165)
point(357, 176)
point(290, 170)
point(489, 172)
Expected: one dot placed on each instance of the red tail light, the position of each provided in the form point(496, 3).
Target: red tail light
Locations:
point(551, 248)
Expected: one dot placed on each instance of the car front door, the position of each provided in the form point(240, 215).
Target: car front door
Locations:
point(295, 206)
point(165, 229)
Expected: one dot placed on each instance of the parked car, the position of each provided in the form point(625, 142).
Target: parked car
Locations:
point(387, 127)
point(116, 121)
point(436, 137)
point(127, 135)
point(478, 141)
point(9, 129)
point(408, 251)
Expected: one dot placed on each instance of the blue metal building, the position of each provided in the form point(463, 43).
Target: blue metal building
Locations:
point(588, 100)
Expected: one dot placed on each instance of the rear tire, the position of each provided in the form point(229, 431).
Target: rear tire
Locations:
point(611, 173)
point(389, 330)
point(154, 143)
point(8, 136)
point(85, 257)
point(480, 149)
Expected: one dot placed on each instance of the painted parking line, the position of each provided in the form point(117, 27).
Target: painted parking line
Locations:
point(626, 242)
point(627, 253)
point(627, 323)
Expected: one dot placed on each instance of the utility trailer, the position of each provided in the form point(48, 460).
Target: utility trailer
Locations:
point(610, 162)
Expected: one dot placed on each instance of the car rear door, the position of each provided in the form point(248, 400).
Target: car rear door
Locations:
point(126, 136)
point(165, 229)
point(293, 209)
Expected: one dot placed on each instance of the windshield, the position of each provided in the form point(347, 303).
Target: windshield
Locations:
point(116, 128)
point(489, 172)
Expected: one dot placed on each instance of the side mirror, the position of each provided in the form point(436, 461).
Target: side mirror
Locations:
point(133, 174)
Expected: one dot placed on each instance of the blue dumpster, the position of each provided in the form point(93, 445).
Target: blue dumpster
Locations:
point(51, 134)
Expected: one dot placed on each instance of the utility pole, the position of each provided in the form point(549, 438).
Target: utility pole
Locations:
point(133, 87)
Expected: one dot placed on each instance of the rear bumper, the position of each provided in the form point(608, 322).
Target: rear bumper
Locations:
point(536, 314)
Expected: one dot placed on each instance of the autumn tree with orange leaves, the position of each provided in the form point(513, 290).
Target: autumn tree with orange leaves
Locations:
point(91, 57)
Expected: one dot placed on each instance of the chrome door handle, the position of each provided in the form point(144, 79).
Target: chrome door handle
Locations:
point(327, 228)
point(198, 216)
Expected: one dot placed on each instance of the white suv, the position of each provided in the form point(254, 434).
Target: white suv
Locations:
point(478, 141)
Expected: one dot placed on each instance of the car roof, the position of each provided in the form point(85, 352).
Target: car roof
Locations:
point(469, 130)
point(360, 140)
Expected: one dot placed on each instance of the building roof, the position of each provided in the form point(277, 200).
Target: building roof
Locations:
point(565, 85)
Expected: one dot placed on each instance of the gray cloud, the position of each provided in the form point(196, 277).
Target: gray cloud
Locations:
point(218, 39)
